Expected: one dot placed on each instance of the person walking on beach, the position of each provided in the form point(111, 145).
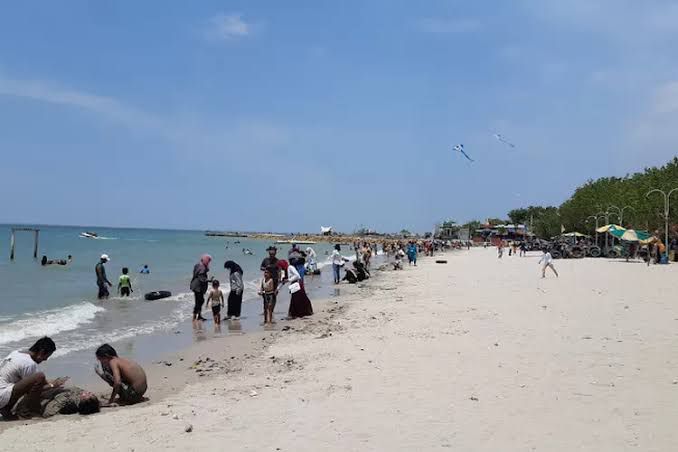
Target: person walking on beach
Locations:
point(235, 295)
point(19, 376)
point(412, 253)
point(102, 281)
point(500, 250)
point(300, 305)
point(124, 283)
point(215, 300)
point(199, 284)
point(126, 377)
point(547, 262)
point(267, 290)
point(337, 263)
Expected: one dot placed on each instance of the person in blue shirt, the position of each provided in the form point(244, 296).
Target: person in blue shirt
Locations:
point(145, 270)
point(412, 253)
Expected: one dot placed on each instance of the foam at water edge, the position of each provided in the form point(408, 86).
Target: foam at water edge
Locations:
point(50, 322)
point(85, 339)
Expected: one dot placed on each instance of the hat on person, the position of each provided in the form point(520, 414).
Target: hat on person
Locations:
point(104, 257)
point(271, 248)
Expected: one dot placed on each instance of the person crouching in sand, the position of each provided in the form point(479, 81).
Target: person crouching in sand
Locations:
point(126, 377)
point(547, 262)
point(267, 291)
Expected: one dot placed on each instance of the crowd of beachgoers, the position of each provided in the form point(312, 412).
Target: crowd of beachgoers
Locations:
point(26, 392)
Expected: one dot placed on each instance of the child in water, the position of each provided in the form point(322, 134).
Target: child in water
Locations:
point(267, 291)
point(215, 299)
point(124, 283)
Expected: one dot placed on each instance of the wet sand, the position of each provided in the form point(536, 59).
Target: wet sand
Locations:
point(476, 354)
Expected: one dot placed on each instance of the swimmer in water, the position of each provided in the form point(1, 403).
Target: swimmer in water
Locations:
point(46, 261)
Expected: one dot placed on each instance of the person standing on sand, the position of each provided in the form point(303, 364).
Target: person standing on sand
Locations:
point(500, 250)
point(237, 288)
point(126, 377)
point(102, 281)
point(267, 290)
point(547, 262)
point(199, 284)
point(300, 305)
point(270, 263)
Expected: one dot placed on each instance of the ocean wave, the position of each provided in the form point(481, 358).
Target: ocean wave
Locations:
point(88, 338)
point(50, 322)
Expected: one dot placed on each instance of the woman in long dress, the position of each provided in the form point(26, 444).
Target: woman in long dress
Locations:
point(199, 284)
point(300, 305)
point(235, 296)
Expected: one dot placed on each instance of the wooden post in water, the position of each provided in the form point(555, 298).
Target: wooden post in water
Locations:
point(11, 246)
point(36, 239)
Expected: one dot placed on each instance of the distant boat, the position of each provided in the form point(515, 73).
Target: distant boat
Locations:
point(89, 235)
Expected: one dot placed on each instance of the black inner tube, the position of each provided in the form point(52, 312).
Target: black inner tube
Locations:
point(157, 295)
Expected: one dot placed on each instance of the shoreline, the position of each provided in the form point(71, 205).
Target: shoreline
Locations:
point(207, 354)
point(479, 353)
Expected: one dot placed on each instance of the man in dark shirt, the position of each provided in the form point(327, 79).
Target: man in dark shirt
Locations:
point(270, 263)
point(102, 281)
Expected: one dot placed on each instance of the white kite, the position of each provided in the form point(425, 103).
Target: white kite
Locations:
point(460, 148)
point(504, 140)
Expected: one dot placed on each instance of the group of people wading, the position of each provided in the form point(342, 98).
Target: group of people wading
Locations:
point(276, 273)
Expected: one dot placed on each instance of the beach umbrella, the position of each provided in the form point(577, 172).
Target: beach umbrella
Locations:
point(610, 227)
point(630, 235)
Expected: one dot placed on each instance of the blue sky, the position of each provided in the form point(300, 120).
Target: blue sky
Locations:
point(284, 116)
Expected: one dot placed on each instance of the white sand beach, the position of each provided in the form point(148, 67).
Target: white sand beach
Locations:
point(478, 354)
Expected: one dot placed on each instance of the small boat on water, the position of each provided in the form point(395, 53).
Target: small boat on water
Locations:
point(89, 235)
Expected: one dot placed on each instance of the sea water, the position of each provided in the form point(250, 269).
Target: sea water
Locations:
point(61, 301)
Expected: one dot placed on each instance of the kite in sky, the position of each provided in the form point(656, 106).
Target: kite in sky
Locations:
point(460, 148)
point(503, 140)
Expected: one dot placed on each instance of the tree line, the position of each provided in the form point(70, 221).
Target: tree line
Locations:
point(605, 198)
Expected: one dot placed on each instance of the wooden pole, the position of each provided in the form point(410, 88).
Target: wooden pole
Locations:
point(11, 246)
point(36, 239)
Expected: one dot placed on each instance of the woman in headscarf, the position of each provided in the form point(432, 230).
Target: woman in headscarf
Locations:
point(237, 287)
point(297, 259)
point(199, 284)
point(300, 305)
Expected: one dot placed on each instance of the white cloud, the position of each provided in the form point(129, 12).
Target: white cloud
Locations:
point(228, 27)
point(443, 26)
point(186, 131)
point(53, 94)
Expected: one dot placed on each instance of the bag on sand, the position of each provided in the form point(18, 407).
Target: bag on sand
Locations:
point(295, 287)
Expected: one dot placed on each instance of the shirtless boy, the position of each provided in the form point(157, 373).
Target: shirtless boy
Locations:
point(126, 377)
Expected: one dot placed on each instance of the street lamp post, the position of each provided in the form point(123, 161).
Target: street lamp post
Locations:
point(595, 217)
point(667, 205)
point(607, 220)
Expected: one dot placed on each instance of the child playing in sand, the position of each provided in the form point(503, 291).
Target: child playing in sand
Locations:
point(547, 261)
point(215, 299)
point(124, 283)
point(267, 290)
point(126, 377)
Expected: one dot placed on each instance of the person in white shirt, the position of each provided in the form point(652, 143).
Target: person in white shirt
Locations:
point(547, 262)
point(337, 263)
point(19, 376)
